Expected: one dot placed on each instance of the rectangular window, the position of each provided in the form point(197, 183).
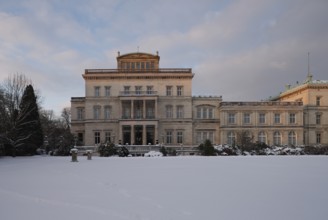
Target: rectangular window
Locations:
point(126, 90)
point(292, 118)
point(179, 111)
point(179, 137)
point(107, 112)
point(96, 112)
point(231, 118)
point(261, 118)
point(201, 136)
point(199, 139)
point(97, 91)
point(147, 65)
point(169, 111)
point(211, 136)
point(318, 119)
point(107, 137)
point(107, 91)
point(97, 137)
point(179, 90)
point(138, 90)
point(80, 113)
point(142, 65)
point(80, 138)
point(247, 118)
point(149, 90)
point(168, 90)
point(138, 65)
point(204, 113)
point(318, 99)
point(277, 118)
point(199, 112)
point(169, 137)
point(210, 113)
point(318, 138)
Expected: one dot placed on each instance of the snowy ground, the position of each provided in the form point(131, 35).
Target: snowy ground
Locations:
point(177, 188)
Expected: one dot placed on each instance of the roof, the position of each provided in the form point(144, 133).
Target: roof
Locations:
point(137, 55)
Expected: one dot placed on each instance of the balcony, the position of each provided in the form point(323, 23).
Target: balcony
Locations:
point(138, 93)
point(128, 117)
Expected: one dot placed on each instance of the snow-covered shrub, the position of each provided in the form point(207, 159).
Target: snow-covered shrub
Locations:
point(225, 150)
point(163, 151)
point(153, 154)
point(123, 152)
point(106, 150)
point(316, 150)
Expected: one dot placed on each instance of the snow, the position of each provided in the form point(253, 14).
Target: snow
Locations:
point(182, 188)
point(153, 154)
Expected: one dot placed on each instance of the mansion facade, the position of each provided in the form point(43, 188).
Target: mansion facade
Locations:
point(139, 103)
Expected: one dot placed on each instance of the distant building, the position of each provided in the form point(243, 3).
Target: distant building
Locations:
point(140, 103)
point(314, 96)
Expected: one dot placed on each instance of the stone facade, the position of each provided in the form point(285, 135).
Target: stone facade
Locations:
point(314, 96)
point(140, 103)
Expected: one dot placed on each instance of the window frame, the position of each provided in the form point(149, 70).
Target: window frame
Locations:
point(97, 137)
point(169, 111)
point(180, 111)
point(247, 118)
point(292, 118)
point(179, 137)
point(169, 137)
point(262, 118)
point(107, 91)
point(97, 91)
point(277, 118)
point(96, 112)
point(169, 90)
point(231, 118)
point(179, 90)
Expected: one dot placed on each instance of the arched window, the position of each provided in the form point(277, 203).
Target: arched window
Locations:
point(277, 138)
point(231, 138)
point(292, 138)
point(262, 137)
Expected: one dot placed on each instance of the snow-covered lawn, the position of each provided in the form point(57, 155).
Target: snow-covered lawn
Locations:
point(177, 188)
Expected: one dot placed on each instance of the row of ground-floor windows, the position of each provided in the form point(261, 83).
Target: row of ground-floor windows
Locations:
point(262, 137)
point(177, 137)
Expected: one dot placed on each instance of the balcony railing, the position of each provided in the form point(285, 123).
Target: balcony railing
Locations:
point(263, 103)
point(128, 117)
point(115, 71)
point(138, 93)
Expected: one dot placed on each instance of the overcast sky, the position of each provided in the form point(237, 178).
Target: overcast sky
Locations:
point(244, 50)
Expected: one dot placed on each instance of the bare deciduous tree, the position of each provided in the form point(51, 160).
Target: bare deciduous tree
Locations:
point(66, 115)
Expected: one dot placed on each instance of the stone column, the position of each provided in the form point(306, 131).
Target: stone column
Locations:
point(155, 109)
point(132, 135)
point(144, 109)
point(132, 109)
point(144, 136)
point(156, 134)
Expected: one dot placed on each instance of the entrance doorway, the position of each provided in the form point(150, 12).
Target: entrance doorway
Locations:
point(138, 134)
point(126, 134)
point(150, 131)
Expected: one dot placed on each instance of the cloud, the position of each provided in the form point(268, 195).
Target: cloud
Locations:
point(243, 50)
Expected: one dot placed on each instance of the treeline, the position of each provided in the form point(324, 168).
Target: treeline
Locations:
point(26, 128)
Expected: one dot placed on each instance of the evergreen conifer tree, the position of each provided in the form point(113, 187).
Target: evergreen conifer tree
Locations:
point(28, 135)
point(207, 148)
